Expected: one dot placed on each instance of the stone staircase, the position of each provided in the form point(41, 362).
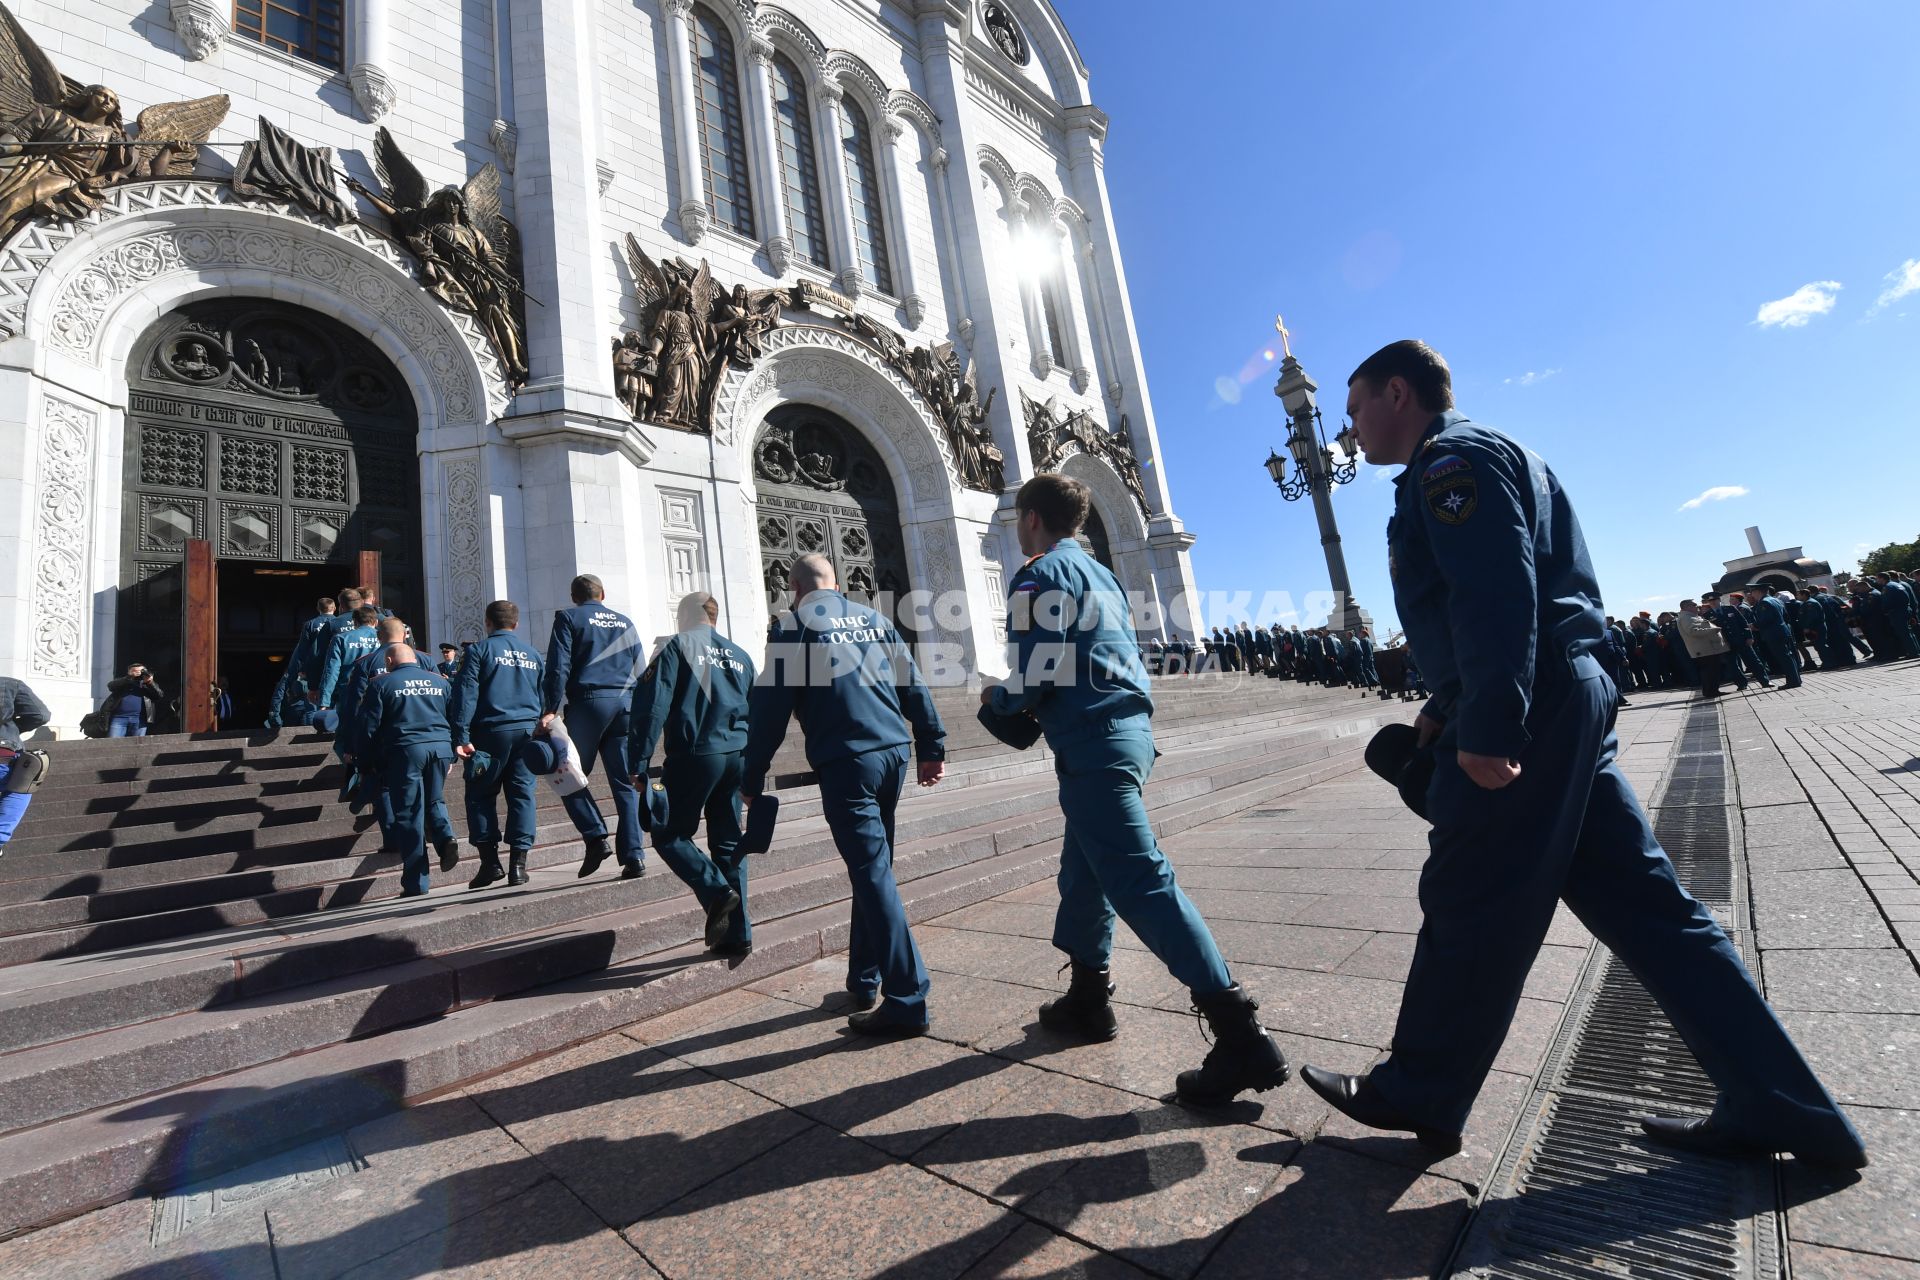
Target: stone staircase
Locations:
point(204, 958)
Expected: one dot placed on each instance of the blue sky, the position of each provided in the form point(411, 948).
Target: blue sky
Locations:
point(1584, 208)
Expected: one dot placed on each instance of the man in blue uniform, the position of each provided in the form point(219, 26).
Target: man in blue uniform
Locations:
point(1772, 633)
point(404, 726)
point(1898, 603)
point(692, 700)
point(1075, 671)
point(449, 664)
point(593, 658)
point(1810, 627)
point(347, 647)
point(1493, 584)
point(496, 706)
point(844, 671)
point(349, 742)
point(1732, 625)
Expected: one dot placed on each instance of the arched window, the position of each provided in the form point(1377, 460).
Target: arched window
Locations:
point(723, 131)
point(863, 193)
point(799, 174)
point(1056, 336)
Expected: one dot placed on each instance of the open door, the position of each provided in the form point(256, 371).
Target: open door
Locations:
point(370, 575)
point(199, 637)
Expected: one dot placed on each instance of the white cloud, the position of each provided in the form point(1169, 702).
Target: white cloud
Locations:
point(1901, 281)
point(1530, 378)
point(1719, 493)
point(1800, 306)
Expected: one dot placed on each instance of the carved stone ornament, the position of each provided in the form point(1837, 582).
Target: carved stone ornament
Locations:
point(62, 516)
point(1005, 33)
point(779, 254)
point(604, 174)
point(469, 254)
point(201, 25)
point(1053, 437)
point(463, 526)
point(505, 136)
point(69, 141)
point(693, 221)
point(372, 90)
point(691, 331)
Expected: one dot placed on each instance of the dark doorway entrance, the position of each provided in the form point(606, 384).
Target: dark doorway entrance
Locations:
point(1093, 536)
point(823, 489)
point(287, 442)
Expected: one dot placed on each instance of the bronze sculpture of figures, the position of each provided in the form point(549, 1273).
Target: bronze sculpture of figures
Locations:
point(954, 399)
point(1050, 435)
point(691, 331)
point(63, 144)
point(467, 250)
point(274, 166)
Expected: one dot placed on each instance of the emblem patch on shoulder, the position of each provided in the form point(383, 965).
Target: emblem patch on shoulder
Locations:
point(1450, 464)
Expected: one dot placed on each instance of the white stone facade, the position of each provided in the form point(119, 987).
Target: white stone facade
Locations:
point(992, 186)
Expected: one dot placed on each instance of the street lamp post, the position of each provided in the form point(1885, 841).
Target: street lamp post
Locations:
point(1316, 472)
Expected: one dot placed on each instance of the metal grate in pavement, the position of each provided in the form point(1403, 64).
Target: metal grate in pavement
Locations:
point(1580, 1194)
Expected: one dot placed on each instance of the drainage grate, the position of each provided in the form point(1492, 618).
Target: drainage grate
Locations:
point(1627, 1048)
point(1580, 1193)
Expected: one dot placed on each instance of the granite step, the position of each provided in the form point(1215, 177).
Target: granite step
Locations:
point(157, 1139)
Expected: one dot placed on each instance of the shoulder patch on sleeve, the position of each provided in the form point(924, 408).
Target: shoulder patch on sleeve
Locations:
point(1454, 497)
point(1445, 466)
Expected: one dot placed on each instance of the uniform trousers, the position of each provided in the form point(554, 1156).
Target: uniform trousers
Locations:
point(597, 724)
point(1110, 863)
point(705, 786)
point(858, 794)
point(1741, 653)
point(1778, 649)
point(1569, 829)
point(506, 771)
point(416, 778)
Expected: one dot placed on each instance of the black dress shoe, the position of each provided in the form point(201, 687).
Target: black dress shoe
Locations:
point(720, 919)
point(449, 851)
point(862, 1000)
point(413, 893)
point(874, 1023)
point(633, 870)
point(1356, 1098)
point(733, 950)
point(1703, 1134)
point(599, 849)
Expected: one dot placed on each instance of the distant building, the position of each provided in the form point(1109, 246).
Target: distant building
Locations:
point(1786, 567)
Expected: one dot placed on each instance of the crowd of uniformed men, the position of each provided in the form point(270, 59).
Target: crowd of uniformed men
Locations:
point(1315, 655)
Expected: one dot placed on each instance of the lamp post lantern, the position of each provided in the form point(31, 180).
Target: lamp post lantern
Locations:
point(1316, 472)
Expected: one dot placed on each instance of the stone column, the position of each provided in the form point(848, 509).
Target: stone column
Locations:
point(694, 213)
point(773, 205)
point(904, 282)
point(372, 88)
point(503, 133)
point(1102, 328)
point(579, 446)
point(839, 197)
point(958, 303)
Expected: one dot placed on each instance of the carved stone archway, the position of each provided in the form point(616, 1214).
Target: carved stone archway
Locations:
point(85, 291)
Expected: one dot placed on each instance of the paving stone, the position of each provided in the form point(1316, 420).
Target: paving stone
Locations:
point(1864, 1059)
point(117, 1241)
point(1387, 956)
point(1039, 1128)
point(543, 1232)
point(1018, 919)
point(1876, 1212)
point(1501, 1100)
point(1333, 1215)
point(899, 1095)
point(1880, 981)
point(1285, 946)
point(428, 1167)
point(1035, 1253)
point(631, 1132)
point(823, 1205)
point(986, 955)
point(1327, 1006)
point(1815, 909)
point(1162, 1196)
point(1240, 903)
point(1811, 1262)
point(1535, 1023)
point(1153, 1047)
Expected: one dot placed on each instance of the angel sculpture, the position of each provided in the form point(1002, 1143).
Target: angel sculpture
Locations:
point(676, 316)
point(62, 144)
point(743, 319)
point(632, 373)
point(982, 465)
point(468, 252)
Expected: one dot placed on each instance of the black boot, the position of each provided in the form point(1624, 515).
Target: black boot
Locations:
point(1086, 1011)
point(720, 919)
point(1243, 1055)
point(517, 870)
point(599, 849)
point(490, 872)
point(449, 851)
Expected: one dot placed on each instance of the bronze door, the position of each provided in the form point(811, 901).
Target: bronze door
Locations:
point(823, 489)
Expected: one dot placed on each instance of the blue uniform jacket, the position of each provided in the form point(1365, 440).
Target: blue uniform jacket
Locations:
point(594, 652)
point(310, 650)
point(496, 687)
point(1732, 624)
point(349, 646)
point(851, 680)
point(1813, 620)
point(448, 669)
point(406, 708)
point(353, 701)
point(1836, 615)
point(1076, 665)
point(1770, 618)
point(1491, 580)
point(695, 691)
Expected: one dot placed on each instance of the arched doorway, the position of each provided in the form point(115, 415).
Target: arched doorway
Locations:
point(285, 440)
point(822, 488)
point(1093, 536)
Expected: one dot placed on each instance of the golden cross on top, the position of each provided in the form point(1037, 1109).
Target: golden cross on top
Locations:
point(1280, 326)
